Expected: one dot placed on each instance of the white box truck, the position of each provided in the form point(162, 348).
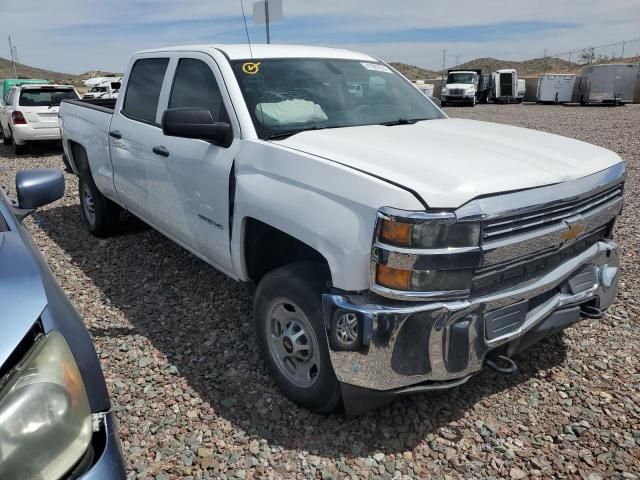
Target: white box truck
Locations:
point(555, 88)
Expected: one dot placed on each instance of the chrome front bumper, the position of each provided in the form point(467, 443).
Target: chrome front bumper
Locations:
point(443, 343)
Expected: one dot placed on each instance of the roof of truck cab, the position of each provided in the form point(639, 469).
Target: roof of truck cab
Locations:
point(242, 51)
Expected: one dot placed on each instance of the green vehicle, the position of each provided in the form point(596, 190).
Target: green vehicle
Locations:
point(11, 82)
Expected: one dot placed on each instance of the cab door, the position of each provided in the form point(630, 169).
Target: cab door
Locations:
point(191, 204)
point(134, 130)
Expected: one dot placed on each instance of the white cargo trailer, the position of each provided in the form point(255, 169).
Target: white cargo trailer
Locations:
point(505, 85)
point(555, 88)
point(614, 83)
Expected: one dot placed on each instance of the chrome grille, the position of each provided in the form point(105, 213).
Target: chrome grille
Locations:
point(507, 226)
point(456, 91)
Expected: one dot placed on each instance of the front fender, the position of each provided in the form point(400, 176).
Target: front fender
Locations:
point(326, 205)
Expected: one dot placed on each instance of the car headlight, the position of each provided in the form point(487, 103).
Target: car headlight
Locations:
point(438, 230)
point(45, 418)
point(425, 254)
point(471, 90)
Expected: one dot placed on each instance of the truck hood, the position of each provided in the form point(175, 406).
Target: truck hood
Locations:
point(22, 294)
point(448, 162)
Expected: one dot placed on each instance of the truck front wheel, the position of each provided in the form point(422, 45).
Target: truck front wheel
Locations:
point(292, 338)
point(99, 214)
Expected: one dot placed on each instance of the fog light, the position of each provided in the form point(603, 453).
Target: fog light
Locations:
point(346, 331)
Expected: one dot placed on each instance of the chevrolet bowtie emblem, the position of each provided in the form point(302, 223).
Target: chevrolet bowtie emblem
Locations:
point(574, 232)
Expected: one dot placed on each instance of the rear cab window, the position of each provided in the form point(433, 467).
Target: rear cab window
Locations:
point(143, 89)
point(45, 96)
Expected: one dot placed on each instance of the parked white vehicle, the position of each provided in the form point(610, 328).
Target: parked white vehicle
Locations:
point(505, 85)
point(106, 89)
point(522, 90)
point(30, 113)
point(393, 250)
point(555, 88)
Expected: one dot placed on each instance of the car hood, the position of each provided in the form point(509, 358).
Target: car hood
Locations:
point(448, 162)
point(22, 294)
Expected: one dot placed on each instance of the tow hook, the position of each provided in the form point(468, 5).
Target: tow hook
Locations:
point(501, 364)
point(591, 311)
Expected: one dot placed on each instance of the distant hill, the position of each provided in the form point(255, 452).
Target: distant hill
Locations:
point(414, 73)
point(535, 67)
point(6, 71)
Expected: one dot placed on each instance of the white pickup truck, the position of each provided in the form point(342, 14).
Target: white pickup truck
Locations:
point(393, 250)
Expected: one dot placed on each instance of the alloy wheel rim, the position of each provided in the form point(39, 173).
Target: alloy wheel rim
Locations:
point(293, 344)
point(88, 204)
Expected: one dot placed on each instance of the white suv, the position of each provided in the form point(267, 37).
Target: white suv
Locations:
point(30, 112)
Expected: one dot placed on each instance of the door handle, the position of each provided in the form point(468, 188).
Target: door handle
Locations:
point(115, 134)
point(161, 150)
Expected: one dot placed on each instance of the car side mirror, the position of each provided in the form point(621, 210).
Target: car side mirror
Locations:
point(36, 188)
point(436, 100)
point(196, 123)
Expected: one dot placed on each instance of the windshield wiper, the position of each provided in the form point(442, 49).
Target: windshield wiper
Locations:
point(287, 134)
point(403, 121)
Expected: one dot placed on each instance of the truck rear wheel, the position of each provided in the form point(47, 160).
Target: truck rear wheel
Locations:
point(292, 338)
point(100, 215)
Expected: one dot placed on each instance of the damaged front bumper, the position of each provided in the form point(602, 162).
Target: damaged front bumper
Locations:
point(405, 348)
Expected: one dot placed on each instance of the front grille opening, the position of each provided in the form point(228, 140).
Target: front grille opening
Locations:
point(522, 223)
point(505, 276)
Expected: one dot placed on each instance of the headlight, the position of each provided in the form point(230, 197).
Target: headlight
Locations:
point(45, 418)
point(471, 90)
point(437, 231)
point(424, 254)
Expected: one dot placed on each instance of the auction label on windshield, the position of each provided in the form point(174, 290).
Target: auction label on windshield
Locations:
point(376, 67)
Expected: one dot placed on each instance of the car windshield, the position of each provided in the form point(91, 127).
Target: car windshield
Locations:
point(461, 78)
point(46, 97)
point(286, 96)
point(98, 89)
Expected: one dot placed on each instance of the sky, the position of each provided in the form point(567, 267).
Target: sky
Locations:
point(76, 36)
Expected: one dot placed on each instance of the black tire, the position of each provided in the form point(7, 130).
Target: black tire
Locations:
point(104, 221)
point(17, 149)
point(67, 165)
point(3, 140)
point(298, 286)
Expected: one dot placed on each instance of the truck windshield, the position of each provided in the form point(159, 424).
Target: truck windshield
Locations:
point(461, 78)
point(286, 96)
point(48, 97)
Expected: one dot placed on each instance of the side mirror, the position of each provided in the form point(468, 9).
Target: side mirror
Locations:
point(196, 123)
point(436, 100)
point(36, 188)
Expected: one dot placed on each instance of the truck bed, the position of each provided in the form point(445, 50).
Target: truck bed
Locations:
point(85, 127)
point(106, 105)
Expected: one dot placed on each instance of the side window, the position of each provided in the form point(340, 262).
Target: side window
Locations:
point(195, 86)
point(143, 88)
point(9, 98)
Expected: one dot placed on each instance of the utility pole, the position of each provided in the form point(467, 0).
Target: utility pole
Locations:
point(444, 59)
point(457, 60)
point(13, 58)
point(623, 42)
point(266, 16)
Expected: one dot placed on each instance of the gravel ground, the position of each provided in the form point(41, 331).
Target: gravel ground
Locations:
point(193, 398)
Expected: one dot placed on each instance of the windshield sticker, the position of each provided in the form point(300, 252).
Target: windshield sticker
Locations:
point(251, 68)
point(375, 67)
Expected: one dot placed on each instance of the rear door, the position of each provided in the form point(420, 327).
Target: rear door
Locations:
point(135, 128)
point(40, 105)
point(191, 194)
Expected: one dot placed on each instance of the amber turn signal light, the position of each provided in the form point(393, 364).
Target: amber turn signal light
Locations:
point(396, 233)
point(393, 278)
